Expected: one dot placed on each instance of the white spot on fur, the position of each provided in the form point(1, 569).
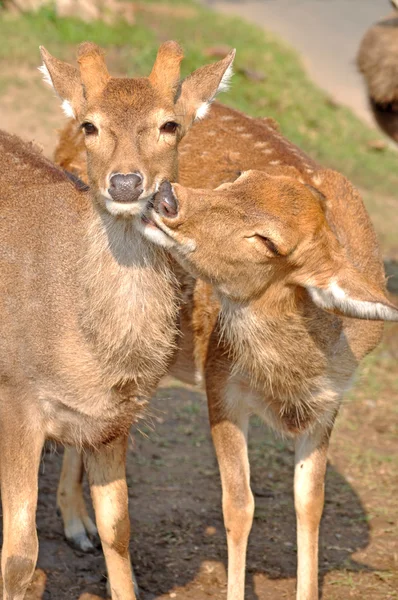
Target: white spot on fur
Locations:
point(240, 128)
point(334, 297)
point(317, 179)
point(227, 118)
point(247, 135)
point(261, 144)
point(46, 75)
point(275, 162)
point(309, 170)
point(68, 110)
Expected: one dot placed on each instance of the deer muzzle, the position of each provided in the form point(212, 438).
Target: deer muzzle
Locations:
point(125, 188)
point(165, 203)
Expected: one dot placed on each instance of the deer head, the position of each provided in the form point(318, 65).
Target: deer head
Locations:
point(263, 230)
point(132, 127)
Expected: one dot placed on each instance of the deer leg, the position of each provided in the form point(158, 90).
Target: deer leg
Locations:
point(20, 453)
point(230, 442)
point(106, 470)
point(79, 529)
point(309, 491)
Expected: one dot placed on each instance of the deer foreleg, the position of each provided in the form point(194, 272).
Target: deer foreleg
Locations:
point(309, 491)
point(107, 476)
point(79, 529)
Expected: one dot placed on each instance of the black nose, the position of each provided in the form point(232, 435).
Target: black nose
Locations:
point(125, 188)
point(164, 202)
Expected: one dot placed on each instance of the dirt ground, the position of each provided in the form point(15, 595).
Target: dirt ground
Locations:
point(178, 544)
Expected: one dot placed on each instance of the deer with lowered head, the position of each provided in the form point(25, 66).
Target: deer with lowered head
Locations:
point(286, 296)
point(215, 151)
point(88, 305)
point(264, 252)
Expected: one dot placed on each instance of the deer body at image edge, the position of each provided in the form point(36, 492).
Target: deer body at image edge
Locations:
point(88, 305)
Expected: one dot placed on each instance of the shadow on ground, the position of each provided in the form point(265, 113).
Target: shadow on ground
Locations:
point(178, 543)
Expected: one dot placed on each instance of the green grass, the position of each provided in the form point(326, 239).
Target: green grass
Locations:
point(331, 134)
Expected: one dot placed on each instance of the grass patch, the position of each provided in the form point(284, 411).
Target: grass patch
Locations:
point(331, 134)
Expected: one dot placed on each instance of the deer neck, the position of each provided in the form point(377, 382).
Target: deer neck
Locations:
point(129, 302)
point(277, 343)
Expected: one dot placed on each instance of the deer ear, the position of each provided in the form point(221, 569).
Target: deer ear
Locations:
point(94, 75)
point(351, 294)
point(65, 81)
point(200, 88)
point(165, 73)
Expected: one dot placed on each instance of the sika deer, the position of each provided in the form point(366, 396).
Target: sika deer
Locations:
point(275, 324)
point(147, 122)
point(88, 306)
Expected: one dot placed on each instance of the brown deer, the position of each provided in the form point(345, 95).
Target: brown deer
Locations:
point(88, 305)
point(215, 151)
point(284, 299)
point(194, 96)
point(377, 60)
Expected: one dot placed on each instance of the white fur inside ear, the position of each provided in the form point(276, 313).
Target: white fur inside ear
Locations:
point(46, 75)
point(226, 80)
point(334, 297)
point(66, 105)
point(222, 87)
point(68, 110)
point(202, 111)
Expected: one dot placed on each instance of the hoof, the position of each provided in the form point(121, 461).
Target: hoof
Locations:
point(83, 543)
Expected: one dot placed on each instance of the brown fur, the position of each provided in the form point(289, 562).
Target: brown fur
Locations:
point(257, 337)
point(270, 350)
point(377, 60)
point(88, 305)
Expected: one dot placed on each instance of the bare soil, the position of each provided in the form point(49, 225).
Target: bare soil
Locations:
point(178, 544)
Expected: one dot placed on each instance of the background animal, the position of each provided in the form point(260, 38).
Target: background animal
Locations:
point(377, 60)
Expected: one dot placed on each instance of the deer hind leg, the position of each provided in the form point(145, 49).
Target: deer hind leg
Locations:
point(20, 453)
point(107, 476)
point(309, 491)
point(230, 441)
point(79, 529)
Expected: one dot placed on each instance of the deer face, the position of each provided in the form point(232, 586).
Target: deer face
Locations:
point(241, 236)
point(131, 137)
point(132, 127)
point(261, 232)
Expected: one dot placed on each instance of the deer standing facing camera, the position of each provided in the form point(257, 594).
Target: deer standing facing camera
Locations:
point(88, 306)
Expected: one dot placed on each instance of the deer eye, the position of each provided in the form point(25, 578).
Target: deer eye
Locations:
point(169, 127)
point(89, 128)
point(269, 244)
